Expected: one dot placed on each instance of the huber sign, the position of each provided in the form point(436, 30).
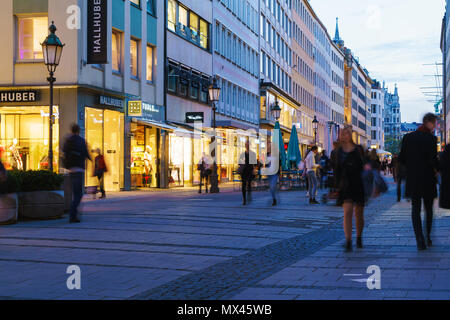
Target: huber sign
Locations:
point(97, 32)
point(18, 96)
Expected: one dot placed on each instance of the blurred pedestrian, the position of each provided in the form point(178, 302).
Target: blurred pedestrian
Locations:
point(75, 155)
point(273, 163)
point(349, 169)
point(324, 167)
point(247, 163)
point(419, 155)
point(204, 167)
point(444, 195)
point(99, 172)
point(400, 174)
point(311, 168)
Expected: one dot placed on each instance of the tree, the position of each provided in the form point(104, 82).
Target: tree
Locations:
point(392, 145)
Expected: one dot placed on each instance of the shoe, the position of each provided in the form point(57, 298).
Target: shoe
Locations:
point(274, 203)
point(74, 220)
point(199, 191)
point(348, 246)
point(421, 245)
point(244, 203)
point(313, 201)
point(103, 196)
point(359, 242)
point(429, 242)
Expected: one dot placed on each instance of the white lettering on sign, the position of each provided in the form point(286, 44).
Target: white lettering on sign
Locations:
point(17, 96)
point(149, 107)
point(111, 101)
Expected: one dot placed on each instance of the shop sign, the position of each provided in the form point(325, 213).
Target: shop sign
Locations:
point(109, 101)
point(18, 96)
point(152, 111)
point(135, 108)
point(97, 32)
point(192, 117)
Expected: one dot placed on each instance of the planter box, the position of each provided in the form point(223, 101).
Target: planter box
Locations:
point(41, 204)
point(8, 208)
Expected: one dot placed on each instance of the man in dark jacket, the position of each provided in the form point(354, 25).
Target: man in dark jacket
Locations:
point(419, 155)
point(75, 155)
point(247, 164)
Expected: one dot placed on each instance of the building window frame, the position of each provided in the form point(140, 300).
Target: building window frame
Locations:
point(39, 38)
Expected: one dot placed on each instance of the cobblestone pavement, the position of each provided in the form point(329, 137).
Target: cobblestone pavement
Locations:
point(182, 245)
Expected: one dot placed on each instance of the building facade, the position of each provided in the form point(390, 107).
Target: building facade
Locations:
point(445, 43)
point(377, 116)
point(392, 120)
point(95, 96)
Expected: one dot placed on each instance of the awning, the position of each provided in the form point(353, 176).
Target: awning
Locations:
point(161, 125)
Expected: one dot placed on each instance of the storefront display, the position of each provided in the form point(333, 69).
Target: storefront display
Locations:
point(144, 156)
point(104, 131)
point(24, 137)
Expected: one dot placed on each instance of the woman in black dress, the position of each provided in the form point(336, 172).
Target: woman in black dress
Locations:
point(349, 169)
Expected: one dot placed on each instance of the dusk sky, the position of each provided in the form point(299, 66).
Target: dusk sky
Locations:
point(393, 40)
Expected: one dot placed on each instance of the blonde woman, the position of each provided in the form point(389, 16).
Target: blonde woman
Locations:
point(349, 169)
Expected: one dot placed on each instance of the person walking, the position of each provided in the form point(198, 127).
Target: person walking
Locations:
point(419, 156)
point(349, 169)
point(311, 166)
point(273, 178)
point(400, 174)
point(444, 195)
point(247, 162)
point(324, 167)
point(204, 167)
point(99, 172)
point(75, 155)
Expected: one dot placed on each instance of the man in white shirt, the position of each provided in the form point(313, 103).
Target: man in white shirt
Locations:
point(310, 167)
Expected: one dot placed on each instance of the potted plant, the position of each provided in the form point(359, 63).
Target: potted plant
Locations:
point(8, 199)
point(41, 195)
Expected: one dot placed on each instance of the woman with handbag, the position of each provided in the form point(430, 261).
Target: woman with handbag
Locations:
point(349, 179)
point(99, 171)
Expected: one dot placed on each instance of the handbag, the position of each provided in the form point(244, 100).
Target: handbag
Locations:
point(380, 184)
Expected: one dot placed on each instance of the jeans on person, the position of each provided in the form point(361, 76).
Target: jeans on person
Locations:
point(273, 180)
point(416, 219)
point(101, 184)
point(312, 184)
point(205, 178)
point(76, 179)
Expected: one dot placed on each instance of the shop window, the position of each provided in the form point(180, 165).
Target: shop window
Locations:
point(24, 133)
point(171, 14)
point(31, 33)
point(150, 55)
point(116, 51)
point(134, 57)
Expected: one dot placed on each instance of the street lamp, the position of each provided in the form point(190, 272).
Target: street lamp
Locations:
point(276, 111)
point(315, 128)
point(52, 50)
point(214, 94)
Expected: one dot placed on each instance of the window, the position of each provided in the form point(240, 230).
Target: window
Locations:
point(182, 17)
point(150, 51)
point(204, 34)
point(136, 2)
point(134, 57)
point(116, 51)
point(32, 31)
point(172, 78)
point(193, 25)
point(151, 7)
point(171, 14)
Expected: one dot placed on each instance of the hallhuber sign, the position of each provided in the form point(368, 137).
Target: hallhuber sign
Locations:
point(97, 32)
point(18, 96)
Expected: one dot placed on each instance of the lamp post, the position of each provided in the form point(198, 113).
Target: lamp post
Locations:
point(276, 111)
point(52, 50)
point(315, 128)
point(214, 94)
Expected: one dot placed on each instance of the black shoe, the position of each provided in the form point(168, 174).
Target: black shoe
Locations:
point(359, 242)
point(421, 245)
point(199, 191)
point(313, 201)
point(399, 200)
point(429, 242)
point(74, 220)
point(103, 196)
point(244, 203)
point(274, 203)
point(348, 246)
